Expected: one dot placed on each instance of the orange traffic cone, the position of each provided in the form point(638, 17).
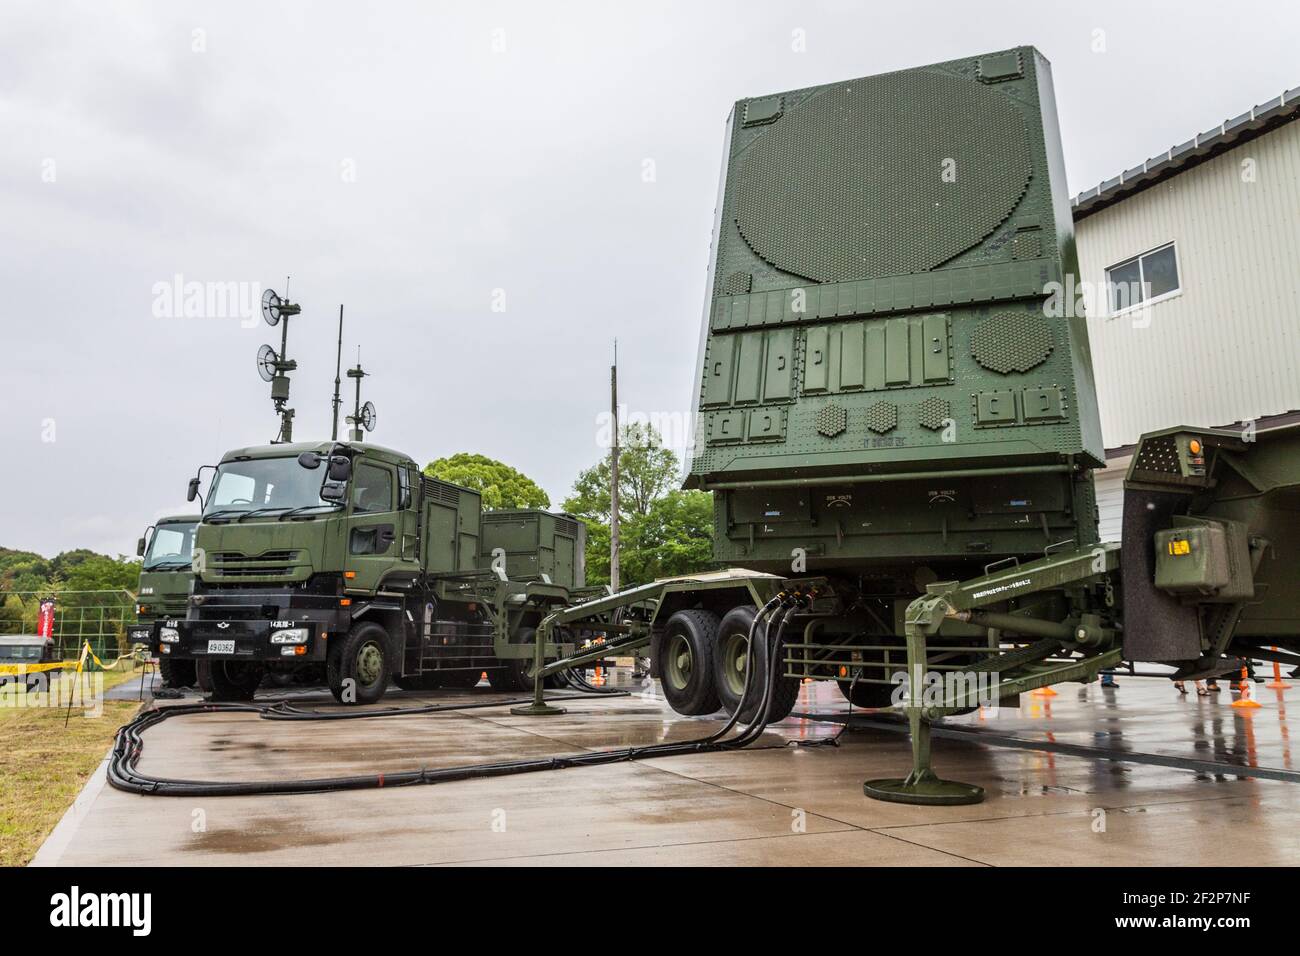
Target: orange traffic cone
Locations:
point(599, 679)
point(1277, 683)
point(1245, 700)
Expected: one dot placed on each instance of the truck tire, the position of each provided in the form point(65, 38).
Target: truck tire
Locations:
point(230, 680)
point(361, 665)
point(512, 675)
point(686, 662)
point(176, 674)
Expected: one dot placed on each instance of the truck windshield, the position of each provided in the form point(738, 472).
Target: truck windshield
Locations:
point(172, 545)
point(269, 485)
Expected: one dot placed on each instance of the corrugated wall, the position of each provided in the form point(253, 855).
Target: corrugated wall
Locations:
point(1228, 347)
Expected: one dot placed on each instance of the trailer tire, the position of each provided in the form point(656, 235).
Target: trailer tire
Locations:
point(230, 680)
point(686, 650)
point(176, 674)
point(363, 661)
point(871, 696)
point(462, 680)
point(730, 658)
point(417, 681)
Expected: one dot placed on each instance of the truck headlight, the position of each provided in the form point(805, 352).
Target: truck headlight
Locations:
point(169, 635)
point(289, 635)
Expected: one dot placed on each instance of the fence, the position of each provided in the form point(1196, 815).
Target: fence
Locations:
point(100, 617)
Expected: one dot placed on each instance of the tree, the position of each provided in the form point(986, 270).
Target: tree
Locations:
point(662, 531)
point(500, 485)
point(674, 537)
point(646, 471)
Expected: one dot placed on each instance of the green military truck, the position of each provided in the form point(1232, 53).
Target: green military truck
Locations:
point(343, 559)
point(164, 591)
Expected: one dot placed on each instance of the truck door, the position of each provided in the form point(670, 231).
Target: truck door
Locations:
point(375, 526)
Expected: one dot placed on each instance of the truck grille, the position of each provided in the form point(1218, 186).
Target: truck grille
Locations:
point(236, 564)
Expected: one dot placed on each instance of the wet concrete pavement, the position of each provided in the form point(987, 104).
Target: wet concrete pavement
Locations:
point(774, 804)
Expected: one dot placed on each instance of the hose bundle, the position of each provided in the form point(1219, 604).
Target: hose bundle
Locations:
point(123, 772)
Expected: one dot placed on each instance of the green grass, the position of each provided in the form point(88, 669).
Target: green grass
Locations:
point(43, 766)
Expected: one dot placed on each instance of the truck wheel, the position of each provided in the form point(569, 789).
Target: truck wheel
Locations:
point(867, 695)
point(230, 680)
point(176, 674)
point(361, 665)
point(686, 662)
point(560, 679)
point(731, 659)
point(513, 674)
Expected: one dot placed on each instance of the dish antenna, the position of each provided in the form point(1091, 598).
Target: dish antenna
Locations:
point(275, 367)
point(266, 359)
point(363, 416)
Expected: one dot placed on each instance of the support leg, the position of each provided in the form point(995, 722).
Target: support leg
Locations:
point(539, 707)
point(921, 786)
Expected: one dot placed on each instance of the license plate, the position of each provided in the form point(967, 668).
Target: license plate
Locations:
point(221, 647)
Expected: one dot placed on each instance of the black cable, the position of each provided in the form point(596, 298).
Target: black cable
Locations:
point(128, 745)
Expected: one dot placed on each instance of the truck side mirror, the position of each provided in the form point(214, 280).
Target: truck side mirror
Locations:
point(139, 548)
point(194, 489)
point(333, 490)
point(309, 460)
point(340, 468)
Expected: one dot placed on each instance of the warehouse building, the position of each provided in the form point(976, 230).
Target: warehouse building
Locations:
point(1195, 259)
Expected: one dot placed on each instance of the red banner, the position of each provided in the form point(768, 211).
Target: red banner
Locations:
point(45, 620)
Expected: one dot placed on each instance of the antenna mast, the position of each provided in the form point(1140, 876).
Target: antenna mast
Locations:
point(613, 474)
point(338, 364)
point(363, 416)
point(273, 367)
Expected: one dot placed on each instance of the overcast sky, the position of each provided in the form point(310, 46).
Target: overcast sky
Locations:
point(424, 162)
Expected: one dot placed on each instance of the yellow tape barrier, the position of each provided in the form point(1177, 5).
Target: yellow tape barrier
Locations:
point(30, 668)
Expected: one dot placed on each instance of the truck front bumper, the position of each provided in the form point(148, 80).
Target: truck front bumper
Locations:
point(248, 640)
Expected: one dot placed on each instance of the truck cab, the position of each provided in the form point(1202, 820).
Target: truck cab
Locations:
point(166, 573)
point(28, 659)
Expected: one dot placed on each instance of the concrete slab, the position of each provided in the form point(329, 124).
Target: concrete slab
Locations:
point(774, 804)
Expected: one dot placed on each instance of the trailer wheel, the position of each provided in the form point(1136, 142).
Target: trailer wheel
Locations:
point(731, 660)
point(686, 662)
point(867, 695)
point(462, 680)
point(417, 681)
point(363, 661)
point(229, 680)
point(176, 674)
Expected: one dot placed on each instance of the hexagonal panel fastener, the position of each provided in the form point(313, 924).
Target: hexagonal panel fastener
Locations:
point(832, 420)
point(934, 412)
point(882, 417)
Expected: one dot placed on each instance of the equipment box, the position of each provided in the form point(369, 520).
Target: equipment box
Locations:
point(1204, 557)
point(535, 544)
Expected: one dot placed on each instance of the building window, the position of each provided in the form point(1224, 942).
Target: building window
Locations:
point(1143, 279)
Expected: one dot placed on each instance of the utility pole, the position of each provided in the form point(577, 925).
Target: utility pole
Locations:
point(613, 474)
point(338, 362)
